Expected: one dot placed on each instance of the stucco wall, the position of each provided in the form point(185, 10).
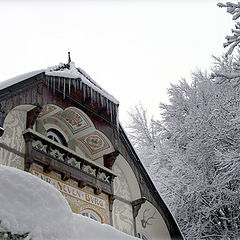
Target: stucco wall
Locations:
point(123, 217)
point(151, 224)
point(14, 124)
point(126, 188)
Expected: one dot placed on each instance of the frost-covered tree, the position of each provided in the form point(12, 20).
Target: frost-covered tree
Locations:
point(193, 151)
point(233, 41)
point(193, 155)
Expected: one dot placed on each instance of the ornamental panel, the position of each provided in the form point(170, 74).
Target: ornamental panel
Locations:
point(94, 142)
point(74, 119)
point(46, 109)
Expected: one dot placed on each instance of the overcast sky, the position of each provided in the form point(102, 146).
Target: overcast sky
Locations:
point(133, 49)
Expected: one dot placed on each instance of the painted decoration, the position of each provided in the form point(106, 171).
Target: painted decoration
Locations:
point(72, 191)
point(74, 119)
point(121, 187)
point(94, 142)
point(46, 109)
point(14, 124)
point(123, 217)
point(122, 212)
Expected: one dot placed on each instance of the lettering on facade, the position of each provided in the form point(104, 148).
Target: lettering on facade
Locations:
point(72, 191)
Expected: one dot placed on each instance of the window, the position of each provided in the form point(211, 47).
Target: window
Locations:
point(91, 214)
point(56, 136)
point(142, 236)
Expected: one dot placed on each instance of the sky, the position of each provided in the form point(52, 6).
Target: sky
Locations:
point(133, 49)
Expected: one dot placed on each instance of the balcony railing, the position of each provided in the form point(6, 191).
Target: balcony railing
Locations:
point(54, 156)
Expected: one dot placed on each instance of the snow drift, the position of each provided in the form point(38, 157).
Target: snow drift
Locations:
point(30, 205)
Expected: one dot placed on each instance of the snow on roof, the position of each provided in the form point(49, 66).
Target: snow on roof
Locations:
point(17, 79)
point(30, 205)
point(66, 71)
point(70, 71)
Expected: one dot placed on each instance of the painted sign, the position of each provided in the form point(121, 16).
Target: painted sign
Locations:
point(72, 191)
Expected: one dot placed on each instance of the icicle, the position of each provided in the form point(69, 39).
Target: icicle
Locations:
point(117, 116)
point(94, 96)
point(91, 95)
point(48, 82)
point(107, 105)
point(59, 82)
point(98, 98)
point(75, 84)
point(84, 91)
point(54, 85)
point(80, 85)
point(88, 91)
point(113, 112)
point(110, 106)
point(101, 100)
point(64, 87)
point(69, 86)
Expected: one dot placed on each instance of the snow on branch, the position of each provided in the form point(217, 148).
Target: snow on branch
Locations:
point(234, 40)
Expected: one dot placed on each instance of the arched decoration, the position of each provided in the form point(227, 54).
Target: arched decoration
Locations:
point(56, 136)
point(48, 110)
point(126, 190)
point(91, 214)
point(95, 144)
point(125, 185)
point(14, 124)
point(150, 222)
point(76, 120)
point(91, 209)
point(77, 129)
point(53, 123)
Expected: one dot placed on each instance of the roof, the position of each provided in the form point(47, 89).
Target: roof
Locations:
point(20, 78)
point(66, 71)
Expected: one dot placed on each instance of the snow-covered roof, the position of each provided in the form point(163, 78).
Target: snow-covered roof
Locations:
point(30, 205)
point(66, 71)
point(70, 71)
point(17, 79)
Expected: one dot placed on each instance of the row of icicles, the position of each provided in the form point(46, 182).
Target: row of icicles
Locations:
point(66, 85)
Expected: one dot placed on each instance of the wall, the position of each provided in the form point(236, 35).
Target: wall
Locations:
point(155, 228)
point(126, 190)
point(79, 199)
point(14, 124)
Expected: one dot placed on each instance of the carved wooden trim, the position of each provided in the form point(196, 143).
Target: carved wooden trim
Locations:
point(65, 176)
point(111, 201)
point(82, 184)
point(137, 205)
point(123, 200)
point(28, 154)
point(110, 158)
point(32, 116)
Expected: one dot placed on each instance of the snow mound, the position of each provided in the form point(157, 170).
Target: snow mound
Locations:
point(30, 205)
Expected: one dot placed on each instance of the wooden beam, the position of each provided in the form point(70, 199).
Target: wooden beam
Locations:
point(110, 158)
point(32, 116)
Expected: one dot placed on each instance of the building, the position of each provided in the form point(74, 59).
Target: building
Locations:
point(62, 127)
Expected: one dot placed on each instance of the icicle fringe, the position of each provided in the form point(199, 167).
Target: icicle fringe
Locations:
point(55, 82)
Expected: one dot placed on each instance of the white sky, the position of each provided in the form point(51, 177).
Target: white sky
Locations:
point(134, 49)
